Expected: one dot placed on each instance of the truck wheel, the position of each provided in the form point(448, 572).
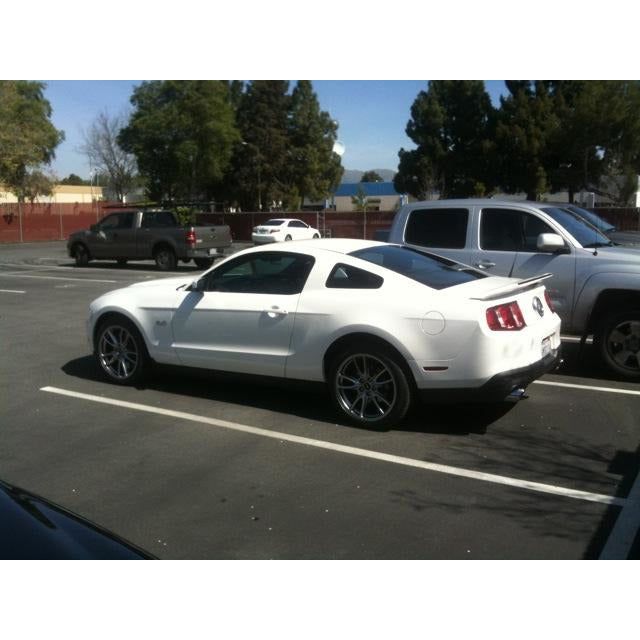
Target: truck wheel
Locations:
point(165, 259)
point(81, 255)
point(122, 262)
point(618, 342)
point(369, 387)
point(203, 263)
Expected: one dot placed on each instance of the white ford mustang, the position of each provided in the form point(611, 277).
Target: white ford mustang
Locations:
point(378, 323)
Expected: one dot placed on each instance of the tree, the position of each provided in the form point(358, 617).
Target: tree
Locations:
point(527, 123)
point(182, 134)
point(28, 138)
point(34, 184)
point(74, 180)
point(371, 176)
point(360, 201)
point(452, 125)
point(315, 168)
point(107, 156)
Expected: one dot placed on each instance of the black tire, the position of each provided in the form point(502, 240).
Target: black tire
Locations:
point(316, 236)
point(165, 258)
point(122, 262)
point(369, 386)
point(81, 255)
point(120, 351)
point(287, 238)
point(203, 263)
point(618, 343)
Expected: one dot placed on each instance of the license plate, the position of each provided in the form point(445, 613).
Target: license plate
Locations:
point(213, 252)
point(546, 346)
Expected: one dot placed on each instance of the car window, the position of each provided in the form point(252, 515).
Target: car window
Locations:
point(157, 219)
point(431, 270)
point(444, 228)
point(500, 230)
point(344, 276)
point(586, 234)
point(122, 220)
point(273, 223)
point(273, 272)
point(298, 223)
point(532, 227)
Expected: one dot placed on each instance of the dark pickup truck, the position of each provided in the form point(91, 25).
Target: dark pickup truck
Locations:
point(148, 235)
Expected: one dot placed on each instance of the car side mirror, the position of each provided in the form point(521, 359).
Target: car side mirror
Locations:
point(93, 228)
point(197, 285)
point(551, 243)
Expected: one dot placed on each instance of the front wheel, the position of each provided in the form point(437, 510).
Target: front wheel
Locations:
point(316, 236)
point(618, 343)
point(287, 238)
point(81, 255)
point(120, 351)
point(369, 387)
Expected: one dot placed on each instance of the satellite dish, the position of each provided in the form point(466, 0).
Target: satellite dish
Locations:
point(339, 148)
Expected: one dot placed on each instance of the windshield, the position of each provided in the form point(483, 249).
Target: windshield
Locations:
point(586, 234)
point(593, 218)
point(426, 268)
point(273, 223)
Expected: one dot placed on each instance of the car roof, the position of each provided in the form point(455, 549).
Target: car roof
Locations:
point(474, 202)
point(337, 245)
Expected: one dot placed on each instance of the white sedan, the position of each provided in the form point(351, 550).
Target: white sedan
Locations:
point(380, 324)
point(283, 230)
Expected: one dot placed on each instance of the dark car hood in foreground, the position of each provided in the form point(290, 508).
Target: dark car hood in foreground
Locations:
point(32, 528)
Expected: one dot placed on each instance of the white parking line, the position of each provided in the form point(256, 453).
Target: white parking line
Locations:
point(626, 527)
point(585, 387)
point(363, 453)
point(23, 275)
point(11, 291)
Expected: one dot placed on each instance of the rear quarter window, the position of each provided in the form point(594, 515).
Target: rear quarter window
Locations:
point(444, 228)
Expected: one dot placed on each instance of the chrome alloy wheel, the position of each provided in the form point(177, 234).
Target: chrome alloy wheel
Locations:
point(365, 387)
point(623, 345)
point(118, 352)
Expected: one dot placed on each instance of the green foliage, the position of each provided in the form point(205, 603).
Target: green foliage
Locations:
point(28, 139)
point(182, 134)
point(73, 180)
point(185, 215)
point(371, 176)
point(34, 184)
point(452, 125)
point(360, 201)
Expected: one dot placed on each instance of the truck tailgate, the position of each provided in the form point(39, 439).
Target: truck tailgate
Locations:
point(212, 237)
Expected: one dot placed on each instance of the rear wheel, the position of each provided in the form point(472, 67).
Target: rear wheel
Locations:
point(618, 342)
point(369, 386)
point(316, 236)
point(122, 262)
point(165, 258)
point(81, 255)
point(287, 238)
point(120, 351)
point(203, 263)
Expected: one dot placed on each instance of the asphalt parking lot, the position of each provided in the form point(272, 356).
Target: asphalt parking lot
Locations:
point(200, 465)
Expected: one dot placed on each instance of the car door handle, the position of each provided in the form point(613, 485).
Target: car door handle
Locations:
point(275, 311)
point(485, 264)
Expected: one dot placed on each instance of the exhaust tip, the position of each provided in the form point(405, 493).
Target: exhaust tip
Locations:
point(517, 394)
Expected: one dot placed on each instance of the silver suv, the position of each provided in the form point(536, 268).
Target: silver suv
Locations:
point(595, 286)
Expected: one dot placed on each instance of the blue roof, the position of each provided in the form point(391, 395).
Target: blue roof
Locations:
point(374, 189)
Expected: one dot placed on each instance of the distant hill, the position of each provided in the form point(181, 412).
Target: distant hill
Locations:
point(355, 175)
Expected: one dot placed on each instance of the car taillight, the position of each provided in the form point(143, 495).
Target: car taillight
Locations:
point(505, 317)
point(191, 237)
point(547, 297)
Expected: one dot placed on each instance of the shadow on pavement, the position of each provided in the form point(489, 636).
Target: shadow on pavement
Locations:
point(306, 400)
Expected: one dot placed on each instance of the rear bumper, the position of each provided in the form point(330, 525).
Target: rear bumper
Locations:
point(263, 238)
point(497, 388)
point(213, 252)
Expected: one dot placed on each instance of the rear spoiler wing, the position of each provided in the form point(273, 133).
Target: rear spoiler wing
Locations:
point(517, 287)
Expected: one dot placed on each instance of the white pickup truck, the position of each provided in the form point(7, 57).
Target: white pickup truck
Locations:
point(595, 286)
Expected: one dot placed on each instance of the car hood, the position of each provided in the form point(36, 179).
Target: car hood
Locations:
point(33, 528)
point(167, 282)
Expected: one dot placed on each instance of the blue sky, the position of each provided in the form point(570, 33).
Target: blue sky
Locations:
point(372, 116)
